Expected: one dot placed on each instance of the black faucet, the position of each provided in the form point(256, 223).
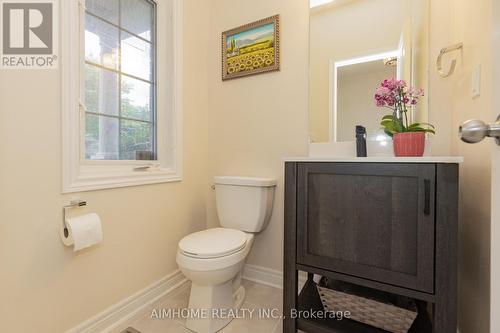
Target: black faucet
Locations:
point(361, 141)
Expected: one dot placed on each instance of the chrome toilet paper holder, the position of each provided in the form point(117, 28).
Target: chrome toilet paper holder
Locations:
point(72, 204)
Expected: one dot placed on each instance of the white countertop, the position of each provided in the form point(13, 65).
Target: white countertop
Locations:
point(379, 159)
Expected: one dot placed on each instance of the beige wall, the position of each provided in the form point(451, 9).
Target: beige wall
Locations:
point(251, 124)
point(451, 104)
point(350, 30)
point(254, 122)
point(46, 288)
point(473, 26)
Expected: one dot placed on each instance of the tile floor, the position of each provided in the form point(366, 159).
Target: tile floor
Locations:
point(258, 296)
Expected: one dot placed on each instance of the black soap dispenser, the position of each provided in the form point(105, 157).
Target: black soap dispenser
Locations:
point(361, 141)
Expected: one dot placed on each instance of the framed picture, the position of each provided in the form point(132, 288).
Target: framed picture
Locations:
point(251, 49)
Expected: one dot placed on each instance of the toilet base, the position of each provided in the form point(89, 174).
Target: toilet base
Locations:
point(213, 303)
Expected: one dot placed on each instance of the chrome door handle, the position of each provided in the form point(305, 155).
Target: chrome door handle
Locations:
point(474, 131)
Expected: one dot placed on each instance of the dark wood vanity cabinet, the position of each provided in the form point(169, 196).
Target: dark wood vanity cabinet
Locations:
point(386, 226)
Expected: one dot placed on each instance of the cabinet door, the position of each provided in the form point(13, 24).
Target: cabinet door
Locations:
point(370, 220)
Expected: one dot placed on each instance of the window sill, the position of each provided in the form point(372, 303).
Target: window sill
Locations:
point(92, 179)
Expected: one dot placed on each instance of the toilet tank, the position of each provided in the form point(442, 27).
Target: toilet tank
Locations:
point(244, 203)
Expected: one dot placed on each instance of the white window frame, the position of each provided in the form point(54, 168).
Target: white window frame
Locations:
point(83, 175)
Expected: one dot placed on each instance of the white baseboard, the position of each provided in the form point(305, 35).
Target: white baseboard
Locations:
point(263, 275)
point(268, 276)
point(117, 314)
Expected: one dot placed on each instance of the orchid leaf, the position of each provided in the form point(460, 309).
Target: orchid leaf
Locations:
point(421, 124)
point(427, 124)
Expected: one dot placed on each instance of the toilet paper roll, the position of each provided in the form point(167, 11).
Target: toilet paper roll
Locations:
point(82, 231)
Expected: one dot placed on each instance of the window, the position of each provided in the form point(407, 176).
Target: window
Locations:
point(117, 55)
point(120, 87)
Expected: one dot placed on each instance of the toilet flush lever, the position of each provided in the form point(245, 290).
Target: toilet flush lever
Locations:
point(474, 131)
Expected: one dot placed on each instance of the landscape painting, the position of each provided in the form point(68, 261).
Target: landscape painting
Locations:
point(251, 49)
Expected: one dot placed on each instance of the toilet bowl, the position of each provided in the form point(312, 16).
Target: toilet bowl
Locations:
point(213, 259)
point(215, 282)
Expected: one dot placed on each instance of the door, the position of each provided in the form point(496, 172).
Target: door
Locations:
point(370, 220)
point(495, 185)
point(495, 242)
point(476, 135)
point(474, 131)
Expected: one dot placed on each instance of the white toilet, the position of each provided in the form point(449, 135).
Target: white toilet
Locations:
point(213, 259)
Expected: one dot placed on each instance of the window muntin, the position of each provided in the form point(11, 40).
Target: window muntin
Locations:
point(120, 80)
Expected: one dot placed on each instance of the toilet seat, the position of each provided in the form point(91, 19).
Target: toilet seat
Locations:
point(204, 265)
point(213, 243)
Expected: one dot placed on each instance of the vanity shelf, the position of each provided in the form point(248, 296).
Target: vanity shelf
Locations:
point(386, 226)
point(308, 299)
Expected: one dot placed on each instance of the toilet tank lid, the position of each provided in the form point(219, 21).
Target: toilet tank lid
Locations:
point(245, 181)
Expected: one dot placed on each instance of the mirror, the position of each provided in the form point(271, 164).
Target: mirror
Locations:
point(354, 46)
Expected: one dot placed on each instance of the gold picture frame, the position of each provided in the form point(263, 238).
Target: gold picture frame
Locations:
point(251, 49)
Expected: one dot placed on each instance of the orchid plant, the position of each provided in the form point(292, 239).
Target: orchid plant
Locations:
point(397, 96)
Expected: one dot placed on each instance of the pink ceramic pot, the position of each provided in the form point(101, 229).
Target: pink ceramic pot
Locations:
point(410, 144)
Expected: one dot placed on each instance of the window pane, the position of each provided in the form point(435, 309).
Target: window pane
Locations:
point(101, 138)
point(136, 57)
point(101, 91)
point(120, 123)
point(137, 17)
point(136, 140)
point(136, 99)
point(107, 9)
point(101, 42)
